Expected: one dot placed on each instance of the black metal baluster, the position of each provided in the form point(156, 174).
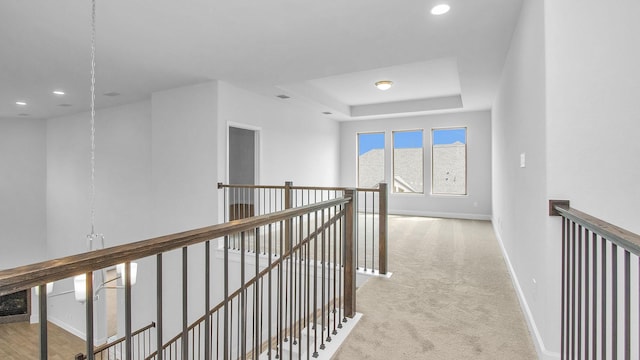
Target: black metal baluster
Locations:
point(627, 305)
point(242, 311)
point(614, 301)
point(603, 298)
point(587, 284)
point(315, 291)
point(185, 339)
point(564, 290)
point(594, 294)
point(579, 292)
point(573, 290)
point(207, 300)
point(159, 322)
point(269, 320)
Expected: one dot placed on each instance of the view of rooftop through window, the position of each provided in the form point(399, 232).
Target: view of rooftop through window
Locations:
point(370, 159)
point(408, 160)
point(449, 161)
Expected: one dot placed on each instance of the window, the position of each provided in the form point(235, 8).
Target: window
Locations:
point(449, 161)
point(370, 159)
point(408, 160)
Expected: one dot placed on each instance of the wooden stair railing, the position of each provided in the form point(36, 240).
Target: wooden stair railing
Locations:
point(598, 296)
point(39, 274)
point(172, 347)
point(242, 201)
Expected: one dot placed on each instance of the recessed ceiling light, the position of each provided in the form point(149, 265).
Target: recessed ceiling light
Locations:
point(21, 103)
point(384, 84)
point(113, 93)
point(283, 96)
point(440, 9)
point(58, 92)
point(327, 112)
point(65, 105)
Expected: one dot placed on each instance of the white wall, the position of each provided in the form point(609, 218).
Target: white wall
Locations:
point(22, 191)
point(123, 175)
point(475, 205)
point(593, 86)
point(296, 144)
point(185, 194)
point(520, 194)
point(568, 100)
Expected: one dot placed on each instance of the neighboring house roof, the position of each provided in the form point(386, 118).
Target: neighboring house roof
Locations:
point(449, 174)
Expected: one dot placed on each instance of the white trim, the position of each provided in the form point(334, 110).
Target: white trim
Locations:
point(441, 214)
point(67, 327)
point(542, 351)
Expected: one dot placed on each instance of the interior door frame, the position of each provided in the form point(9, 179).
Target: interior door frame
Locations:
point(257, 149)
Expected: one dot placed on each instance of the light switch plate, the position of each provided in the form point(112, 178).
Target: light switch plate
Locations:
point(522, 160)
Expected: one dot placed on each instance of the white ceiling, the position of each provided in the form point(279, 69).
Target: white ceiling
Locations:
point(325, 54)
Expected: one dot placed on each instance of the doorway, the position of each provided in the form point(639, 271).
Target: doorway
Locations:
point(243, 169)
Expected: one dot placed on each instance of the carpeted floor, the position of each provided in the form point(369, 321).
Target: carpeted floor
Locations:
point(450, 297)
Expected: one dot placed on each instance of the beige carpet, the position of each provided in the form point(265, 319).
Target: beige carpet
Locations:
point(450, 297)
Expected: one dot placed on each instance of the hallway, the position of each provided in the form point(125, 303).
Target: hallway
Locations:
point(450, 297)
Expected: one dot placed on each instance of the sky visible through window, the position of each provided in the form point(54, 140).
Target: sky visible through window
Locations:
point(449, 136)
point(407, 139)
point(368, 142)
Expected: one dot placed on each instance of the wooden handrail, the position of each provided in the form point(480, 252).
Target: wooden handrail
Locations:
point(617, 235)
point(292, 187)
point(28, 276)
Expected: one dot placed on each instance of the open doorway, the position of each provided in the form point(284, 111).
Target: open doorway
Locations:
point(243, 170)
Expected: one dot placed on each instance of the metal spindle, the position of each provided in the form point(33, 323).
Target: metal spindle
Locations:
point(594, 294)
point(587, 270)
point(322, 286)
point(159, 322)
point(207, 301)
point(89, 313)
point(627, 305)
point(614, 301)
point(42, 313)
point(573, 289)
point(563, 301)
point(315, 292)
point(242, 311)
point(603, 298)
point(185, 334)
point(579, 292)
point(227, 332)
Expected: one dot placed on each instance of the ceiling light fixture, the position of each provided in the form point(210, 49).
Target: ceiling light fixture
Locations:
point(384, 84)
point(21, 103)
point(440, 9)
point(58, 92)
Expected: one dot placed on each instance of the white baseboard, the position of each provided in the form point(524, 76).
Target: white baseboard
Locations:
point(542, 351)
point(441, 214)
point(68, 328)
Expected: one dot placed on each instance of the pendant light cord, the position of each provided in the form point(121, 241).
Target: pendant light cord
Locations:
point(93, 115)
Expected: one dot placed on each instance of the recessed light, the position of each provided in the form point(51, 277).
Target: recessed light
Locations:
point(65, 105)
point(384, 84)
point(440, 9)
point(113, 93)
point(283, 96)
point(327, 112)
point(58, 92)
point(23, 114)
point(21, 103)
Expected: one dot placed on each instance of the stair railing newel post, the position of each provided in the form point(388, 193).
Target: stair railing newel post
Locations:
point(288, 204)
point(383, 213)
point(350, 261)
